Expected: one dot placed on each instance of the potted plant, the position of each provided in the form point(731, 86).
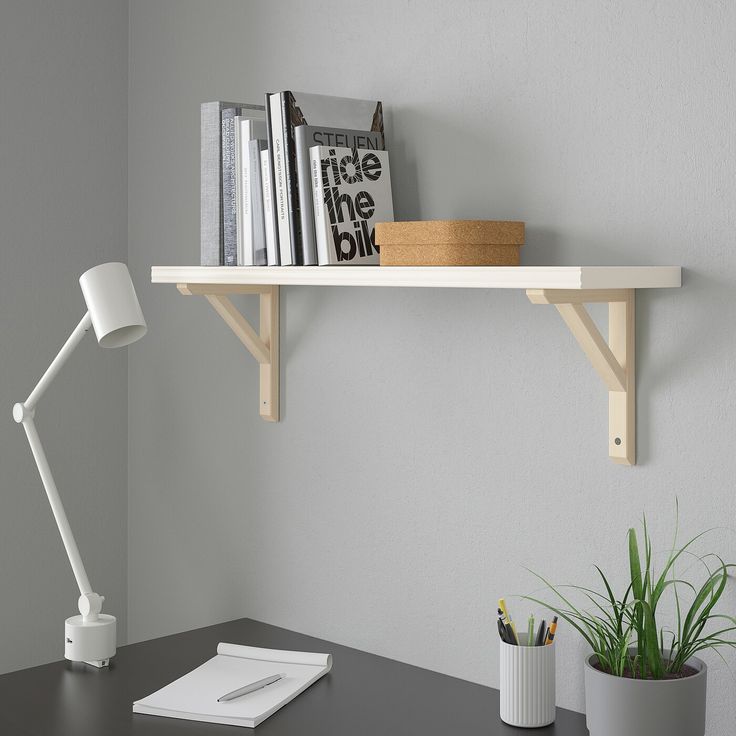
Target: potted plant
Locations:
point(642, 677)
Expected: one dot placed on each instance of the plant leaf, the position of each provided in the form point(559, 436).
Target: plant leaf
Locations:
point(652, 647)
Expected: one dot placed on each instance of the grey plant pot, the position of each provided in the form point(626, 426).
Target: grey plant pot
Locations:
point(615, 706)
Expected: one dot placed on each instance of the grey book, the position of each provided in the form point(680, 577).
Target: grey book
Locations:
point(305, 137)
point(229, 189)
point(212, 242)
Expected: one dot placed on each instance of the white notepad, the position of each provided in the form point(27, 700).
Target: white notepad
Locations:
point(194, 696)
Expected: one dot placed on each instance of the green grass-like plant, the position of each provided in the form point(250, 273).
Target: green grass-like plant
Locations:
point(623, 631)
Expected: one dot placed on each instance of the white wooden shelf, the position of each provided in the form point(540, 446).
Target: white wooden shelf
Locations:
point(472, 277)
point(568, 288)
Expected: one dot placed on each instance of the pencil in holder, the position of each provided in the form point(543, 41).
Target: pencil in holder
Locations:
point(527, 685)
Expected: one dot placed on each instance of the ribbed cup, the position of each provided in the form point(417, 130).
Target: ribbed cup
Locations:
point(527, 684)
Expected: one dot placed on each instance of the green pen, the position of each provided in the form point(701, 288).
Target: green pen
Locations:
point(530, 631)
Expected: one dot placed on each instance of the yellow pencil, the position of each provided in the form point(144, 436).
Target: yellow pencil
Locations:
point(505, 611)
point(551, 631)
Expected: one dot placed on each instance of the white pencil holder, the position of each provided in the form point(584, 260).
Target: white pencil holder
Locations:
point(527, 684)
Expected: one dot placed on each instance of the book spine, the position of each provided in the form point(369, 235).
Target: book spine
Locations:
point(321, 225)
point(272, 255)
point(229, 207)
point(306, 208)
point(278, 182)
point(256, 192)
point(239, 144)
point(211, 241)
point(291, 181)
point(247, 207)
point(274, 259)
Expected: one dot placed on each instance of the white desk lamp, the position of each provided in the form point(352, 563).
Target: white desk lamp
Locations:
point(116, 316)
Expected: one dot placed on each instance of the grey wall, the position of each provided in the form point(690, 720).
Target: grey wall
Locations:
point(63, 205)
point(434, 443)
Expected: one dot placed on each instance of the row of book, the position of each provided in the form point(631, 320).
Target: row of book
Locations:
point(299, 181)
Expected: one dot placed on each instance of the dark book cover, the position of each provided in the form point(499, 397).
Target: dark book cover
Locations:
point(271, 179)
point(300, 108)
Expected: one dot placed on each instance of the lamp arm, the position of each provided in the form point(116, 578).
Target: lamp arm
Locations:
point(90, 604)
point(56, 364)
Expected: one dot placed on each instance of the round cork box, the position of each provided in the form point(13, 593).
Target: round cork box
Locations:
point(450, 242)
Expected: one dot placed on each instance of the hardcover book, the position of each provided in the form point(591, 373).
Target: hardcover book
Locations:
point(269, 221)
point(253, 205)
point(249, 215)
point(287, 111)
point(307, 136)
point(229, 222)
point(271, 177)
point(211, 212)
point(352, 191)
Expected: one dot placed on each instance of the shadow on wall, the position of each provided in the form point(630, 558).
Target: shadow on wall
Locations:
point(404, 182)
point(441, 168)
point(660, 361)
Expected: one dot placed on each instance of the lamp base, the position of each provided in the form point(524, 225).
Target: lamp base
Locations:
point(92, 642)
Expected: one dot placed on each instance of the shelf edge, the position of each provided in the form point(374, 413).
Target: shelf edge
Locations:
point(477, 277)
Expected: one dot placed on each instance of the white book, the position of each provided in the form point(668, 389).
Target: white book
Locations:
point(253, 196)
point(352, 192)
point(246, 130)
point(272, 255)
point(278, 186)
point(239, 188)
point(194, 697)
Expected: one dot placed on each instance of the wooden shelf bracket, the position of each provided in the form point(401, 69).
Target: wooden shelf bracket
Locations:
point(263, 345)
point(613, 359)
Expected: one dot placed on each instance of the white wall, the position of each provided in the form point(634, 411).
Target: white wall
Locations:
point(63, 205)
point(434, 443)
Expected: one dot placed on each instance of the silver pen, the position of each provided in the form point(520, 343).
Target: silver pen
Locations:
point(251, 688)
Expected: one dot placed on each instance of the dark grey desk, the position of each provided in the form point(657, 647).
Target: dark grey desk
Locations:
point(364, 695)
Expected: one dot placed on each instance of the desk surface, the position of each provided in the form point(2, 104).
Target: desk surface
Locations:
point(364, 695)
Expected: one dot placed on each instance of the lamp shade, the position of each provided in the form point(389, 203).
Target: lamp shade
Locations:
point(113, 305)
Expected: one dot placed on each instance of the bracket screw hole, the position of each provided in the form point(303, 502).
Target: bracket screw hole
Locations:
point(617, 441)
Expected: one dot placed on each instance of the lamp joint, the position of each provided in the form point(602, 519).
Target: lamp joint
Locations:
point(90, 606)
point(21, 412)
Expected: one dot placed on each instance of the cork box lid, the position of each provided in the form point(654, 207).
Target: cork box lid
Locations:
point(427, 232)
